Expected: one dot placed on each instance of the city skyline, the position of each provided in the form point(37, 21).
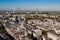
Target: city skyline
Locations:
point(30, 4)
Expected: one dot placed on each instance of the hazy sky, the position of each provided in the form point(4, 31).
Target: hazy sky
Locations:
point(30, 4)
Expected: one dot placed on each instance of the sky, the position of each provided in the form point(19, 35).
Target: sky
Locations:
point(30, 4)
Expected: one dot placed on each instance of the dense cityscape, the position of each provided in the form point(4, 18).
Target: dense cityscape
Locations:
point(29, 19)
point(30, 25)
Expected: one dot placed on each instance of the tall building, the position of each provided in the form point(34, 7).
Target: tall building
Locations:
point(16, 20)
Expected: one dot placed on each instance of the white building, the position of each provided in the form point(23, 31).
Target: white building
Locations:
point(52, 36)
